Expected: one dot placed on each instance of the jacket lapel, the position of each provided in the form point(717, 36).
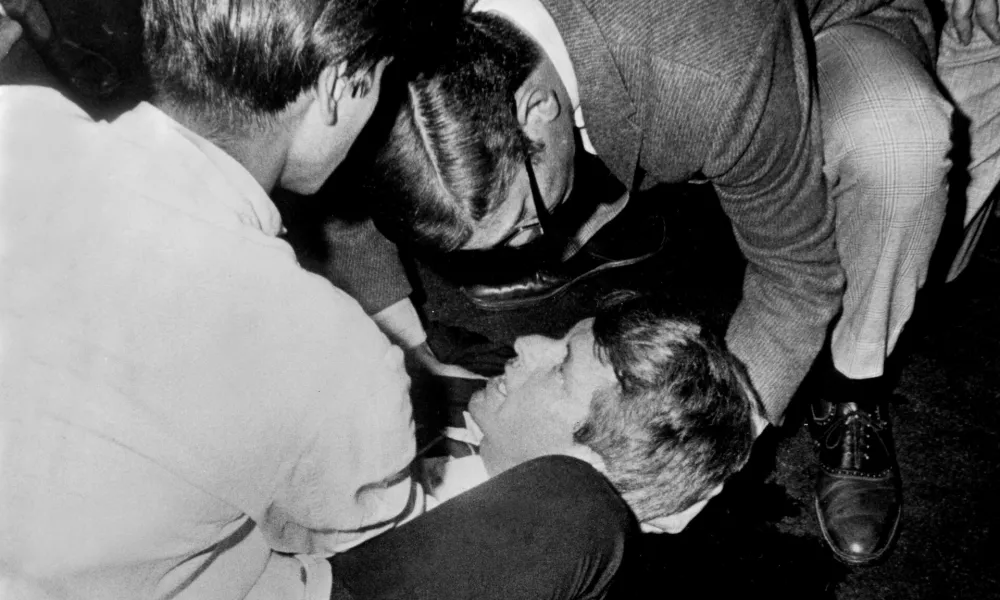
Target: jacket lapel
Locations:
point(608, 111)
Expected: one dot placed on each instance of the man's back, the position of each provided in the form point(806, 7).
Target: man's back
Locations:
point(176, 393)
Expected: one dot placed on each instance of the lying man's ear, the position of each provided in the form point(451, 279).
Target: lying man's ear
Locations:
point(676, 522)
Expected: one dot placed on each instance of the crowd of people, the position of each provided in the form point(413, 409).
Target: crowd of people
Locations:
point(186, 412)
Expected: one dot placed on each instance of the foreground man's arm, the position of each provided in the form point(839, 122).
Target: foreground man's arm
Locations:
point(352, 480)
point(365, 264)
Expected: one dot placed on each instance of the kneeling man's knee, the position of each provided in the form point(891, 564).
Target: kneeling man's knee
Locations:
point(901, 141)
point(893, 152)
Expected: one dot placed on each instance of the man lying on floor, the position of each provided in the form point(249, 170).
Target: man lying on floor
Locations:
point(654, 403)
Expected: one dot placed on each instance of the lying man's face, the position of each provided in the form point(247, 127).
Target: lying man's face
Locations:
point(538, 406)
point(543, 396)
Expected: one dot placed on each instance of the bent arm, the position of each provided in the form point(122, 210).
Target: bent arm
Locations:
point(351, 480)
point(366, 265)
point(768, 171)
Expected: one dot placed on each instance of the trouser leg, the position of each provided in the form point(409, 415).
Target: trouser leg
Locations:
point(971, 75)
point(550, 528)
point(886, 141)
point(886, 137)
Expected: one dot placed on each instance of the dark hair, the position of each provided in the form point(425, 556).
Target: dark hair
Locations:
point(232, 64)
point(679, 423)
point(456, 142)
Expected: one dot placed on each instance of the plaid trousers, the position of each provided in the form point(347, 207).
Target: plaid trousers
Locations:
point(886, 139)
point(971, 74)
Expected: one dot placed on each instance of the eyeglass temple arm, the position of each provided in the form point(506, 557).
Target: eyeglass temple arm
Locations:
point(544, 217)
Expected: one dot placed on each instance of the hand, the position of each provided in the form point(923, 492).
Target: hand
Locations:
point(424, 356)
point(983, 12)
point(10, 32)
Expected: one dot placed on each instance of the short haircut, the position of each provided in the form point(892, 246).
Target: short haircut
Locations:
point(456, 143)
point(235, 64)
point(679, 422)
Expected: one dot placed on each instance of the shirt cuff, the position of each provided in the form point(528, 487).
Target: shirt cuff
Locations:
point(318, 576)
point(447, 477)
point(401, 323)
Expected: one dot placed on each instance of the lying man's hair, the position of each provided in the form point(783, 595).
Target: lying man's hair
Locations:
point(233, 65)
point(456, 143)
point(679, 422)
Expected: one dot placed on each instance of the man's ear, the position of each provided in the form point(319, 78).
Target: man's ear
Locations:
point(540, 106)
point(329, 91)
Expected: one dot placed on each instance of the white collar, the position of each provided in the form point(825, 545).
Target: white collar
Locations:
point(257, 207)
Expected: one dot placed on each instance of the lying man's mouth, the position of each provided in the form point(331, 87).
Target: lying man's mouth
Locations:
point(491, 397)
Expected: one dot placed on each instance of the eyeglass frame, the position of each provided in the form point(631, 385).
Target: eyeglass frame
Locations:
point(542, 213)
point(545, 220)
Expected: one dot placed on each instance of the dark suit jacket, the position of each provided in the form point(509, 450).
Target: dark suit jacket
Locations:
point(723, 90)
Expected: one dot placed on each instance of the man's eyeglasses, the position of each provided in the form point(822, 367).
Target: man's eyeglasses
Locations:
point(545, 225)
point(535, 228)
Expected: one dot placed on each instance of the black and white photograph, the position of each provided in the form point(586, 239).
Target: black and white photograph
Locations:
point(499, 299)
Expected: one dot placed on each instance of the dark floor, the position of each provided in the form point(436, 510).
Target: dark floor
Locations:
point(760, 538)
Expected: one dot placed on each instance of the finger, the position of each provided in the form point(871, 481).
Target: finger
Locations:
point(986, 18)
point(10, 32)
point(961, 19)
point(456, 371)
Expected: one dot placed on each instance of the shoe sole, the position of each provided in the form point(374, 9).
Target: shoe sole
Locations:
point(502, 305)
point(847, 559)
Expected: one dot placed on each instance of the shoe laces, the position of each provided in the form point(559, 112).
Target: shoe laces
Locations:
point(854, 429)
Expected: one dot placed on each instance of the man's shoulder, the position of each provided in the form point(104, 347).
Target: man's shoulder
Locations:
point(38, 123)
point(23, 106)
point(37, 97)
point(715, 36)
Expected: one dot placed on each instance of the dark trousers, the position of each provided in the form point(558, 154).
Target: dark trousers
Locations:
point(549, 528)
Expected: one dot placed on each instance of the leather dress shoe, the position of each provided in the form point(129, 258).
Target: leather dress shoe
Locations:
point(858, 489)
point(548, 282)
